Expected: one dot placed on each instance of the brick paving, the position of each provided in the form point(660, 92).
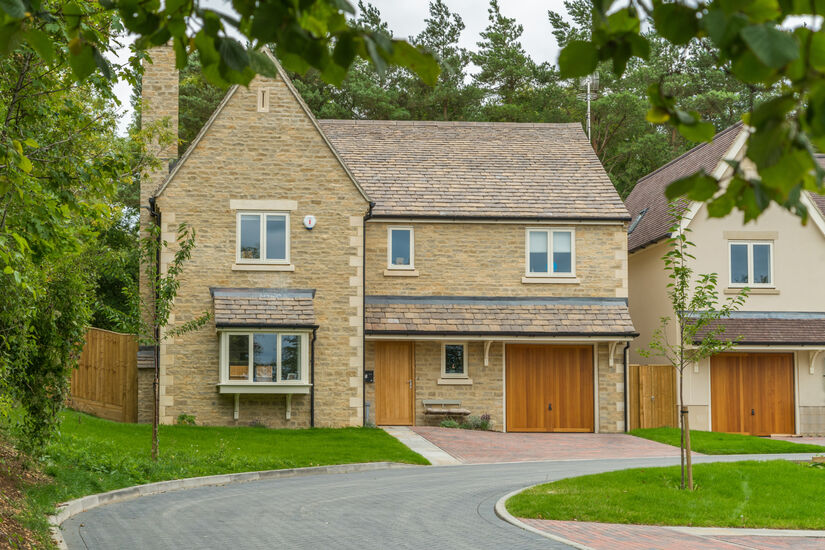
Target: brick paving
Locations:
point(477, 447)
point(811, 440)
point(607, 536)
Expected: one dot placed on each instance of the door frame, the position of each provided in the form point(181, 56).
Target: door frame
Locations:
point(594, 352)
point(411, 344)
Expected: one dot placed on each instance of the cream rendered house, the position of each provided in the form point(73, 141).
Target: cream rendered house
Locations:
point(387, 272)
point(774, 381)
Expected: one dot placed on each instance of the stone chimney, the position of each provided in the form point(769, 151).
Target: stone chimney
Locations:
point(159, 102)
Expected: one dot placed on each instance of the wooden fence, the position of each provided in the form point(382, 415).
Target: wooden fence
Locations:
point(653, 401)
point(105, 381)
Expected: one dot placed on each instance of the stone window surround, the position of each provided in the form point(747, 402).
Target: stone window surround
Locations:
point(750, 242)
point(223, 336)
point(407, 269)
point(550, 277)
point(450, 378)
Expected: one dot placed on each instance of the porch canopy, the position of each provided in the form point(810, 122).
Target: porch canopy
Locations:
point(263, 307)
point(770, 328)
point(497, 316)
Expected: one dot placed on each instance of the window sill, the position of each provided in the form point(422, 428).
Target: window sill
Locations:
point(551, 280)
point(263, 388)
point(757, 290)
point(400, 273)
point(263, 267)
point(455, 381)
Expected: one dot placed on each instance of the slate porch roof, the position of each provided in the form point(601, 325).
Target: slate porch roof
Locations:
point(470, 315)
point(476, 169)
point(773, 328)
point(263, 307)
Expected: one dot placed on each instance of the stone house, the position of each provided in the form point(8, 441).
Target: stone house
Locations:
point(388, 272)
point(772, 381)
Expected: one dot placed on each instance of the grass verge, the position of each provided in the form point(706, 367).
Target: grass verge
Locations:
point(91, 455)
point(715, 443)
point(777, 494)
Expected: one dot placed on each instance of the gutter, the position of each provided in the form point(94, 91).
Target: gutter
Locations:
point(367, 217)
point(626, 388)
point(501, 333)
point(380, 217)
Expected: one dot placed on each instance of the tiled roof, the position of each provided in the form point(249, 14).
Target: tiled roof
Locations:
point(476, 169)
point(649, 192)
point(263, 307)
point(461, 315)
point(819, 200)
point(788, 328)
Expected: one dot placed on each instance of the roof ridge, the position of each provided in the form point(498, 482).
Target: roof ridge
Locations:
point(378, 122)
point(690, 151)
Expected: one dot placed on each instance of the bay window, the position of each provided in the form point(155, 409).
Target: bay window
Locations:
point(264, 357)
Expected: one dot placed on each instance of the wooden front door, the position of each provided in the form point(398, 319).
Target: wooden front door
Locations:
point(394, 384)
point(549, 388)
point(752, 393)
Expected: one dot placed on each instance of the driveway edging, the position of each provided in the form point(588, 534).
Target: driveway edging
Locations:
point(501, 512)
point(77, 506)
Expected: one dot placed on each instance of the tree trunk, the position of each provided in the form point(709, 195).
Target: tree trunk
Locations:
point(156, 412)
point(689, 461)
point(682, 447)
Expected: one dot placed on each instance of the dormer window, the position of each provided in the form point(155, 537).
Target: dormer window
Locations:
point(636, 221)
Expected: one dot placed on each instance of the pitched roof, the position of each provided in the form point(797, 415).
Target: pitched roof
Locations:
point(476, 169)
point(763, 328)
point(463, 315)
point(263, 307)
point(649, 193)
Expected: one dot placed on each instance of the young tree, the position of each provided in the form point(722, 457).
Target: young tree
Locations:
point(150, 318)
point(697, 312)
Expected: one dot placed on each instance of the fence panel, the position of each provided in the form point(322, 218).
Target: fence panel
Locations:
point(105, 382)
point(652, 396)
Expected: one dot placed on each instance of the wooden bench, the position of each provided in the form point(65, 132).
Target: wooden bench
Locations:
point(444, 407)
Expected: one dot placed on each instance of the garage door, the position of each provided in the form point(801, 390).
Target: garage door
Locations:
point(549, 388)
point(752, 393)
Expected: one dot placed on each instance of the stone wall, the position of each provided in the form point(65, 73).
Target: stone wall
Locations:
point(475, 259)
point(611, 389)
point(275, 155)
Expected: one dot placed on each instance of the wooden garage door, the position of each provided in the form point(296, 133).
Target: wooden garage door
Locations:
point(549, 388)
point(752, 393)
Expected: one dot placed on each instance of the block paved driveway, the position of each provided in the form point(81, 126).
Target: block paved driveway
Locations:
point(482, 447)
point(416, 507)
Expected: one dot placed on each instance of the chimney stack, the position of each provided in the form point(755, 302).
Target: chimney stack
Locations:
point(159, 102)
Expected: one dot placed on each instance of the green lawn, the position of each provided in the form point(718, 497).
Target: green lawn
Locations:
point(776, 494)
point(92, 455)
point(715, 443)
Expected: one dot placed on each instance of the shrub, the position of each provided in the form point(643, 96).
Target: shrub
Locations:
point(477, 422)
point(187, 419)
point(449, 423)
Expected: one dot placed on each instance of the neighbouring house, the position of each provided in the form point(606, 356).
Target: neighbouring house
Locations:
point(773, 380)
point(388, 272)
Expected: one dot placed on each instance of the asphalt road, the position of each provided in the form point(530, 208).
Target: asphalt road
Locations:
point(449, 507)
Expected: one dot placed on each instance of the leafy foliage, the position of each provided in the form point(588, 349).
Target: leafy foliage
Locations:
point(758, 44)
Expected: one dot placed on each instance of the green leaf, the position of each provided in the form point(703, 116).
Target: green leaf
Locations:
point(773, 47)
point(233, 54)
point(42, 44)
point(8, 270)
point(749, 69)
point(698, 186)
point(657, 115)
point(700, 131)
point(675, 22)
point(578, 58)
point(14, 8)
point(262, 64)
point(720, 206)
point(422, 64)
point(817, 50)
point(83, 63)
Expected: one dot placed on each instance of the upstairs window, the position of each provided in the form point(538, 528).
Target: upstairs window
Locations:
point(551, 252)
point(263, 357)
point(263, 237)
point(751, 264)
point(400, 248)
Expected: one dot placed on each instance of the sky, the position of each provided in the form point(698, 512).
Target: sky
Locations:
point(406, 18)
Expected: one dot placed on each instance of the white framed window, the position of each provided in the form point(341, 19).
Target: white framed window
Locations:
point(750, 263)
point(262, 238)
point(454, 360)
point(400, 248)
point(264, 357)
point(550, 252)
